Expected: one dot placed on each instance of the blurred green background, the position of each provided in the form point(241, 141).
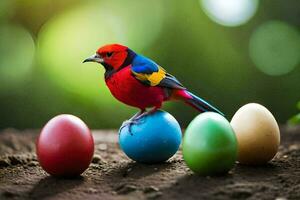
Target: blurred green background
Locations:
point(229, 52)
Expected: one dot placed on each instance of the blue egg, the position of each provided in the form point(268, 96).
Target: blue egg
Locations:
point(154, 139)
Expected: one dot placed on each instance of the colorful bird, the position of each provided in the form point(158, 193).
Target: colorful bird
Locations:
point(139, 82)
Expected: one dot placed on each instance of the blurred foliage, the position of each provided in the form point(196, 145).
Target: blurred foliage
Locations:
point(43, 43)
point(295, 120)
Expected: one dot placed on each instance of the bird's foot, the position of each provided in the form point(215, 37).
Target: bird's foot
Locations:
point(136, 119)
point(144, 114)
point(129, 123)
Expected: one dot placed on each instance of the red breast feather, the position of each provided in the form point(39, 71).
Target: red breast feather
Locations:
point(130, 91)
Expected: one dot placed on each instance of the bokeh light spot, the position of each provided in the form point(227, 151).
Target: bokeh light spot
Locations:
point(65, 41)
point(230, 12)
point(275, 48)
point(17, 51)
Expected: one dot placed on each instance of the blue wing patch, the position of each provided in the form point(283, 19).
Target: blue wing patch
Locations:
point(149, 73)
point(144, 65)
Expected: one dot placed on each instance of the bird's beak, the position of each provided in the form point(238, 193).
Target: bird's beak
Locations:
point(94, 58)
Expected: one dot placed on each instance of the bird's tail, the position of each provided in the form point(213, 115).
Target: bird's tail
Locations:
point(195, 101)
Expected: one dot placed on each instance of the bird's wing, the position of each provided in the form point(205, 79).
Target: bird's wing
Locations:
point(149, 73)
point(171, 82)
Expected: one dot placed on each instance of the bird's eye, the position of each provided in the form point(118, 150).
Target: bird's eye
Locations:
point(109, 54)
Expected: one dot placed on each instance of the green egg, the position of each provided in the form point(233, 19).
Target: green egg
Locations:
point(210, 145)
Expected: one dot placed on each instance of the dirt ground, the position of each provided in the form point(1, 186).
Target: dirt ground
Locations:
point(113, 176)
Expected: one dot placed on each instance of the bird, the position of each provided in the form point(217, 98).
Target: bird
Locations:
point(140, 82)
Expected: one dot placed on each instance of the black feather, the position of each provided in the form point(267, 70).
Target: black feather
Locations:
point(171, 82)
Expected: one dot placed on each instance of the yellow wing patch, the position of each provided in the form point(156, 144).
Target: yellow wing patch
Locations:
point(154, 78)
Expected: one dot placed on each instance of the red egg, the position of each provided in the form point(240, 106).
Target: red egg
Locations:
point(65, 146)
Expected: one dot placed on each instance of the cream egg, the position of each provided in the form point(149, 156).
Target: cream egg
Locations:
point(257, 133)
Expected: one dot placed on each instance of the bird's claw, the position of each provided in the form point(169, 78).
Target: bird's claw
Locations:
point(129, 123)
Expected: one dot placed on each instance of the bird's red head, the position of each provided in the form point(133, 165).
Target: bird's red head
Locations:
point(111, 56)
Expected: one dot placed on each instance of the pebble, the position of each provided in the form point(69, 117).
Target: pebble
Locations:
point(102, 146)
point(127, 172)
point(97, 159)
point(281, 198)
point(154, 195)
point(91, 190)
point(151, 189)
point(125, 189)
point(293, 147)
point(33, 163)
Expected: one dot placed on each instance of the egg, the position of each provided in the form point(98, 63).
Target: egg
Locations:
point(65, 146)
point(209, 145)
point(257, 133)
point(154, 139)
